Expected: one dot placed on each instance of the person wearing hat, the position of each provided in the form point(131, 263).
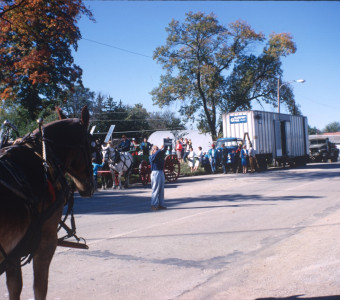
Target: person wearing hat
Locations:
point(124, 144)
point(212, 153)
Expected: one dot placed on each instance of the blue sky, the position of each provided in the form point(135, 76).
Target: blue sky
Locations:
point(138, 27)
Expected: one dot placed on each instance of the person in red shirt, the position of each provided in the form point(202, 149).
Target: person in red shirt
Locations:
point(179, 148)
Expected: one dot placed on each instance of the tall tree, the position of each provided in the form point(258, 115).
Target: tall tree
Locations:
point(35, 51)
point(313, 130)
point(332, 127)
point(209, 71)
point(76, 99)
point(165, 120)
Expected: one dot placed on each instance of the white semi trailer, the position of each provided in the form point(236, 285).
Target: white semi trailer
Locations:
point(276, 138)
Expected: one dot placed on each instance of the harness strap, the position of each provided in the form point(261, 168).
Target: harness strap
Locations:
point(27, 246)
point(122, 158)
point(14, 190)
point(51, 190)
point(2, 251)
point(56, 181)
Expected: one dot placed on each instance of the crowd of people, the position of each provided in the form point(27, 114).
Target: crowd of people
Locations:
point(237, 161)
point(185, 153)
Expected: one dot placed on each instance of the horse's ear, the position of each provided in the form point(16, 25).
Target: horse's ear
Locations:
point(85, 116)
point(60, 113)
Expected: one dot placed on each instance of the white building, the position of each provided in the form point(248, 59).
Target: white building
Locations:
point(197, 138)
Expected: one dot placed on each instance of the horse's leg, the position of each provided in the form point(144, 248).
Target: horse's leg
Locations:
point(126, 179)
point(14, 280)
point(43, 256)
point(120, 180)
point(102, 179)
point(113, 175)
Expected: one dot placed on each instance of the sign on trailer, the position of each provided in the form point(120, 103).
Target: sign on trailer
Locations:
point(238, 119)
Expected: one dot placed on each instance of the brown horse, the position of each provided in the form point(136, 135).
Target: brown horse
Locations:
point(33, 191)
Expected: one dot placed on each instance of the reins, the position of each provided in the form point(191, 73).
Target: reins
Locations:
point(70, 231)
point(120, 158)
point(54, 171)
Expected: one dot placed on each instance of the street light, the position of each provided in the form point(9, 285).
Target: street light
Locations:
point(280, 86)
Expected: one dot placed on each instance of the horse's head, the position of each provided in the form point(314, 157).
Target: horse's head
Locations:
point(70, 142)
point(108, 153)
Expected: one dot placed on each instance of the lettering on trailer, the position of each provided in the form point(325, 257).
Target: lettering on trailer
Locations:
point(109, 133)
point(238, 119)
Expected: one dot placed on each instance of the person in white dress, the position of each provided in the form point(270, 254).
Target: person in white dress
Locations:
point(199, 156)
point(191, 159)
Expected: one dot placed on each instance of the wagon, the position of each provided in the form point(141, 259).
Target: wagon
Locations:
point(141, 166)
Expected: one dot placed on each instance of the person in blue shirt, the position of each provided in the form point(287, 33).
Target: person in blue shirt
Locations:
point(157, 177)
point(95, 169)
point(212, 155)
point(244, 157)
point(145, 146)
point(124, 145)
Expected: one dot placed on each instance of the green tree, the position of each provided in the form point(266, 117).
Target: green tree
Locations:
point(332, 127)
point(313, 130)
point(209, 71)
point(166, 120)
point(76, 99)
point(135, 121)
point(20, 117)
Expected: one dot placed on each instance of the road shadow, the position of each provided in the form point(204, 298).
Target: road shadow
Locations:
point(233, 198)
point(136, 199)
point(126, 202)
point(322, 171)
point(300, 297)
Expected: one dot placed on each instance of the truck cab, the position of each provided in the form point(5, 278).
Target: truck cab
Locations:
point(321, 149)
point(231, 144)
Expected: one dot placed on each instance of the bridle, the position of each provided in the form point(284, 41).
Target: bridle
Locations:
point(117, 158)
point(83, 147)
point(54, 170)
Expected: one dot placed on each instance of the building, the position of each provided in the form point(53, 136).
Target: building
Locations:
point(197, 138)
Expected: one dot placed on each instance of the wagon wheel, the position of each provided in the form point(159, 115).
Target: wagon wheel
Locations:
point(144, 172)
point(172, 168)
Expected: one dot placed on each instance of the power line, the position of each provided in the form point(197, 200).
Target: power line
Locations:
point(117, 48)
point(169, 129)
point(127, 120)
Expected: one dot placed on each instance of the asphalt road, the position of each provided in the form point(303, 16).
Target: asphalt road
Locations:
point(269, 235)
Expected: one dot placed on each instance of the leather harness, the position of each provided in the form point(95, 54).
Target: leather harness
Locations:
point(56, 186)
